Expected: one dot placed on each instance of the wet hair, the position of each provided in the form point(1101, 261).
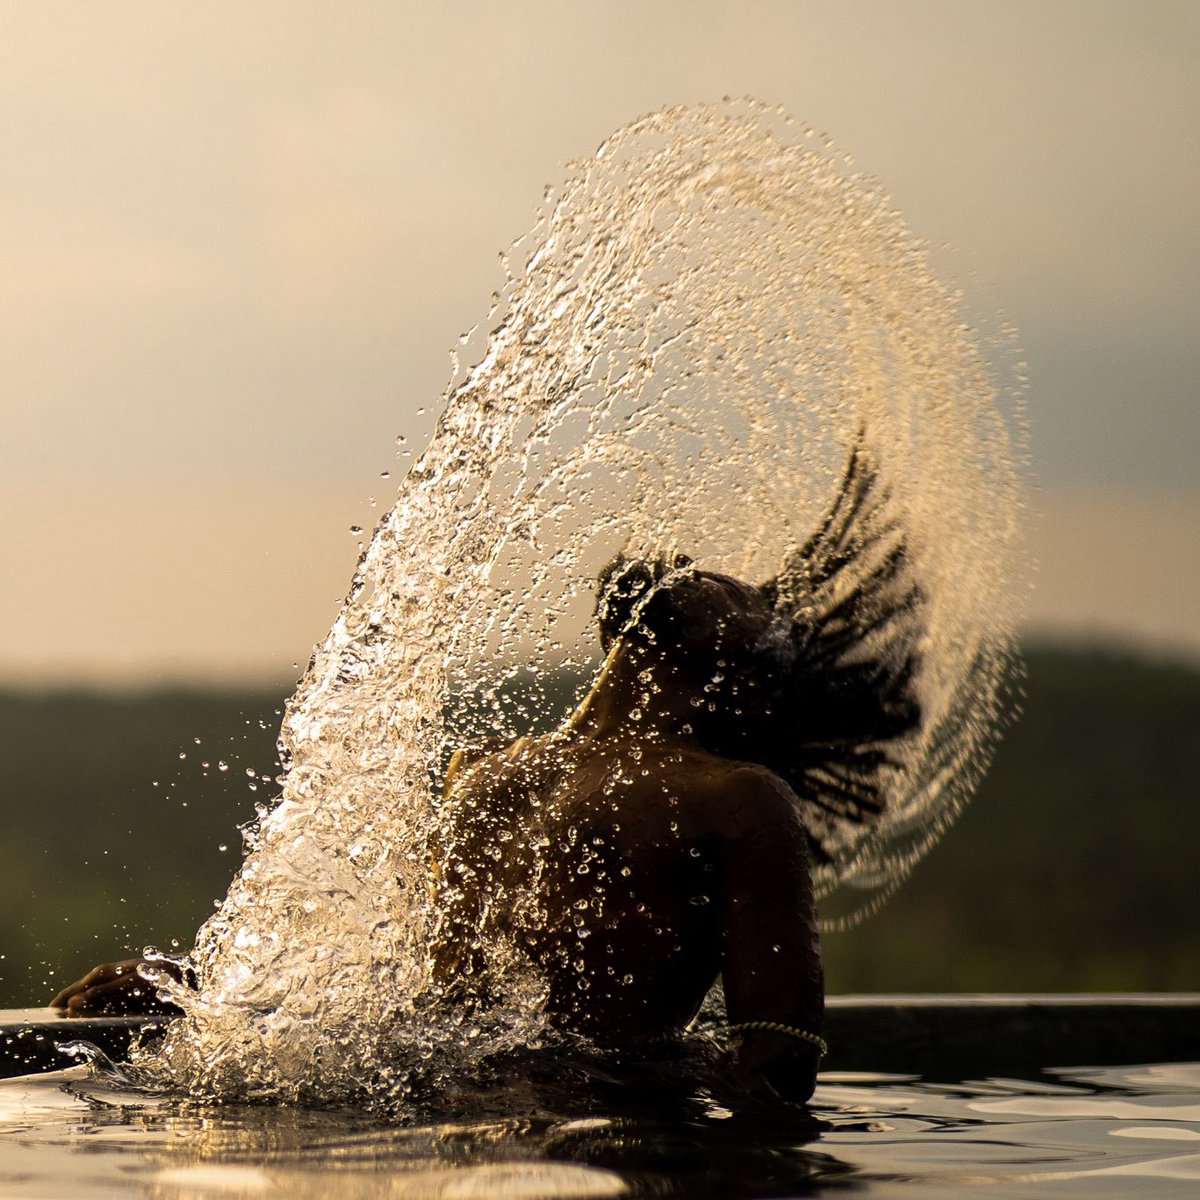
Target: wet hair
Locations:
point(818, 666)
point(624, 607)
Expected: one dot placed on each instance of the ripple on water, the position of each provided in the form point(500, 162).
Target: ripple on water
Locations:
point(1059, 1135)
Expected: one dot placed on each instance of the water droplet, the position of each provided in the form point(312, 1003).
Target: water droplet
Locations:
point(663, 368)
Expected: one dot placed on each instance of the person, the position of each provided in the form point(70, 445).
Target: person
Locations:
point(666, 833)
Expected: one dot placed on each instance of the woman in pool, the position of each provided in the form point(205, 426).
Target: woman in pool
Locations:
point(665, 833)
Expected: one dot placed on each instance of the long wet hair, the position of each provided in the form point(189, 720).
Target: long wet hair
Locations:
point(819, 682)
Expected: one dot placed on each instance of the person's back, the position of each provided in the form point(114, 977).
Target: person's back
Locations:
point(631, 866)
point(631, 876)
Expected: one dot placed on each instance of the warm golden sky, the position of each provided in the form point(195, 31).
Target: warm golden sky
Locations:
point(237, 241)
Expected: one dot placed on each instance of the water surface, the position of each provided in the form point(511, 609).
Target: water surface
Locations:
point(1084, 1132)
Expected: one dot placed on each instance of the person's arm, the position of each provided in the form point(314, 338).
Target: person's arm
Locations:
point(478, 794)
point(770, 952)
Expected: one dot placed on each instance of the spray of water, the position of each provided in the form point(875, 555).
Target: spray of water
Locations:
point(704, 319)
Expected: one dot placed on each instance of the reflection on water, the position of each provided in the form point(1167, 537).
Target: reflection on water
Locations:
point(1086, 1132)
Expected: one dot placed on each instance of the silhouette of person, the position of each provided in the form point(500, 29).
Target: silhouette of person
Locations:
point(665, 834)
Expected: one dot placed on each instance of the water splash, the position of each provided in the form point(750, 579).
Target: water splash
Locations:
point(700, 322)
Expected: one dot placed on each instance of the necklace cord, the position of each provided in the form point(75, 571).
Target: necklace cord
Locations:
point(778, 1027)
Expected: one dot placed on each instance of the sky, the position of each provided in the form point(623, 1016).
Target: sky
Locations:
point(238, 241)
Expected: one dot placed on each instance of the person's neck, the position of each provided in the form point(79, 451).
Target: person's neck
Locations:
point(634, 696)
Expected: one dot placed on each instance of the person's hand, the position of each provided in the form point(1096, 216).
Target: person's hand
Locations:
point(774, 1065)
point(119, 987)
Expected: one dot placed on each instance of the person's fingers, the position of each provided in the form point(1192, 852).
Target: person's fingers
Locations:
point(62, 999)
point(110, 998)
point(113, 987)
point(118, 987)
point(97, 975)
point(128, 994)
point(79, 1006)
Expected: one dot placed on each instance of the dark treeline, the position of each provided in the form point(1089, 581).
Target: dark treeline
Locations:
point(1075, 868)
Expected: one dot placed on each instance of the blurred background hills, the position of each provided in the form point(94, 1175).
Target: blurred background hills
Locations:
point(1075, 867)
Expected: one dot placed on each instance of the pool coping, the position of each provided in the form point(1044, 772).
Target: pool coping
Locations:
point(935, 1036)
point(964, 1035)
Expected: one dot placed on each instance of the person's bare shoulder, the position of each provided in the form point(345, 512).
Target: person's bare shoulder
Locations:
point(469, 765)
point(731, 796)
point(736, 797)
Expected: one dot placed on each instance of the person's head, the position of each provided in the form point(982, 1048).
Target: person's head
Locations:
point(802, 690)
point(815, 674)
point(710, 629)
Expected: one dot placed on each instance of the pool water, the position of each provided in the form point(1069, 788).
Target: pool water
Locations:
point(1094, 1132)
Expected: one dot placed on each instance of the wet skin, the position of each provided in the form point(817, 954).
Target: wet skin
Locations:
point(627, 863)
point(118, 987)
point(632, 881)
